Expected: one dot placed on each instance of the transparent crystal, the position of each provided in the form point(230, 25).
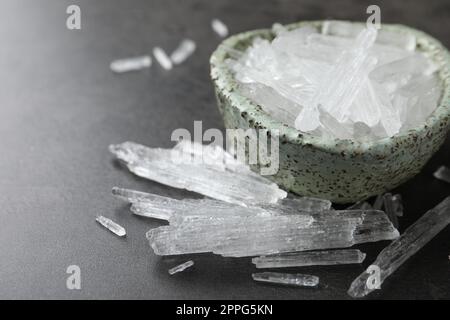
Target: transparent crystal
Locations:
point(401, 249)
point(159, 207)
point(239, 236)
point(310, 258)
point(131, 64)
point(297, 279)
point(347, 82)
point(111, 226)
point(184, 50)
point(162, 58)
point(181, 267)
point(208, 170)
point(219, 27)
point(390, 208)
point(443, 173)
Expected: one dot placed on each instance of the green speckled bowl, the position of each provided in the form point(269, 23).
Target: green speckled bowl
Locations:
point(342, 171)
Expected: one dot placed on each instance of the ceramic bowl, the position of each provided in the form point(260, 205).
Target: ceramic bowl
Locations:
point(342, 171)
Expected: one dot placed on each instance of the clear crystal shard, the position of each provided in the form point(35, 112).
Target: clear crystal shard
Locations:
point(397, 203)
point(240, 236)
point(401, 249)
point(111, 226)
point(443, 173)
point(159, 207)
point(207, 170)
point(181, 267)
point(289, 279)
point(184, 50)
point(219, 27)
point(348, 82)
point(386, 37)
point(131, 64)
point(390, 208)
point(310, 258)
point(162, 58)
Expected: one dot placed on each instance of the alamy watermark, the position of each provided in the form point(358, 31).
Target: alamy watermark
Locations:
point(73, 281)
point(73, 21)
point(260, 147)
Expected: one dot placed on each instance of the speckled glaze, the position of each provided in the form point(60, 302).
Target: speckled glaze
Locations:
point(342, 171)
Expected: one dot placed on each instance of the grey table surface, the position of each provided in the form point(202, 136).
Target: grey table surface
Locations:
point(61, 106)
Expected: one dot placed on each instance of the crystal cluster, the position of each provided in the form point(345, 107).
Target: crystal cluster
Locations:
point(401, 249)
point(442, 173)
point(208, 170)
point(343, 81)
point(310, 258)
point(241, 236)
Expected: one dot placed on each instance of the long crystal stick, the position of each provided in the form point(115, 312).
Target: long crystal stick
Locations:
point(310, 258)
point(401, 249)
point(298, 280)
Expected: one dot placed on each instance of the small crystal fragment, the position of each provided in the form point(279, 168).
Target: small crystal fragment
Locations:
point(181, 267)
point(162, 58)
point(378, 204)
point(401, 249)
point(443, 173)
point(297, 279)
point(159, 207)
point(310, 258)
point(363, 205)
point(111, 226)
point(390, 208)
point(397, 205)
point(219, 27)
point(131, 64)
point(208, 170)
point(184, 50)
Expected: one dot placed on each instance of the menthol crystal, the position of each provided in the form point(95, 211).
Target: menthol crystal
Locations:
point(443, 173)
point(401, 249)
point(266, 234)
point(184, 50)
point(111, 226)
point(165, 208)
point(181, 267)
point(131, 64)
point(342, 81)
point(289, 279)
point(310, 258)
point(207, 170)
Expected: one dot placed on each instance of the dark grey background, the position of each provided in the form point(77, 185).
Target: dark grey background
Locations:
point(61, 106)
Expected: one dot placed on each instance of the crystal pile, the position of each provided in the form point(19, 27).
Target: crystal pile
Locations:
point(401, 249)
point(241, 236)
point(297, 279)
point(345, 82)
point(181, 267)
point(111, 226)
point(443, 173)
point(310, 258)
point(208, 170)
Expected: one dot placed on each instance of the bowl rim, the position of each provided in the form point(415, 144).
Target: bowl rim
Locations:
point(225, 83)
